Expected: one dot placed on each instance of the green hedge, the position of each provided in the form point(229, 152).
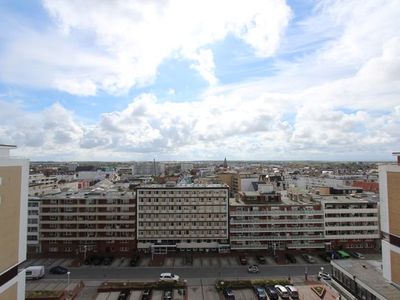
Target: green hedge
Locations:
point(157, 285)
point(244, 284)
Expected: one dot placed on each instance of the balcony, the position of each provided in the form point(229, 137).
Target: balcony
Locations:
point(277, 213)
point(276, 238)
point(286, 229)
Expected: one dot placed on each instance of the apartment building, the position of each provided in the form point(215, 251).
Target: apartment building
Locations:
point(40, 185)
point(299, 220)
point(101, 220)
point(147, 168)
point(13, 215)
point(389, 188)
point(265, 221)
point(33, 245)
point(351, 222)
point(185, 217)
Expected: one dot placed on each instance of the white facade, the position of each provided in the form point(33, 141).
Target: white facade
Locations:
point(40, 185)
point(182, 217)
point(33, 225)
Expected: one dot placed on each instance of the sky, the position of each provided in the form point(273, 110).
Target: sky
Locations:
point(200, 80)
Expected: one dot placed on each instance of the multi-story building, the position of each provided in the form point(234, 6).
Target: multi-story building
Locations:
point(189, 217)
point(101, 220)
point(264, 221)
point(351, 222)
point(147, 168)
point(33, 245)
point(242, 181)
point(13, 215)
point(389, 188)
point(40, 185)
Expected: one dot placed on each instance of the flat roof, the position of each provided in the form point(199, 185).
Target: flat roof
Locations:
point(7, 146)
point(369, 273)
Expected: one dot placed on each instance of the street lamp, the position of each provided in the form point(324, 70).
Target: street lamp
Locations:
point(68, 273)
point(84, 252)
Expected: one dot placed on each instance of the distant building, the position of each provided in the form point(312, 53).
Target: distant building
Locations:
point(189, 217)
point(147, 168)
point(14, 174)
point(40, 185)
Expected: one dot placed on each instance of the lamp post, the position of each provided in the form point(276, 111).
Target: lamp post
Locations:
point(68, 273)
point(84, 252)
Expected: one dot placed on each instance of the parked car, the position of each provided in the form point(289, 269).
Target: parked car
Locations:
point(325, 257)
point(272, 292)
point(97, 260)
point(253, 269)
point(260, 293)
point(293, 292)
point(323, 275)
point(290, 258)
point(58, 270)
point(167, 294)
point(169, 277)
point(282, 291)
point(261, 259)
point(333, 255)
point(308, 258)
point(188, 260)
point(243, 260)
point(124, 295)
point(134, 260)
point(357, 255)
point(146, 295)
point(228, 294)
point(108, 260)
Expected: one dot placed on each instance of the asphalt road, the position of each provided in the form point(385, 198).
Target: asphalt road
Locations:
point(189, 273)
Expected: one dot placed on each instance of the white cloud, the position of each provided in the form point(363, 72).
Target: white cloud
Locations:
point(116, 45)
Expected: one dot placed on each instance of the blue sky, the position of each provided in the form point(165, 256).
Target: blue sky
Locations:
point(189, 80)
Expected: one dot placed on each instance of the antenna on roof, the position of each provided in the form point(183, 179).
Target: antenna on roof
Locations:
point(154, 166)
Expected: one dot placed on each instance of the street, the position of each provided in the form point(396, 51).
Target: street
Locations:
point(189, 273)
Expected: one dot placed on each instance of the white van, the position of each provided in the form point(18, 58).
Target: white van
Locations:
point(282, 291)
point(34, 272)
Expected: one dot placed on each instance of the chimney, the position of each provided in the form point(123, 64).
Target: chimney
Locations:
point(398, 157)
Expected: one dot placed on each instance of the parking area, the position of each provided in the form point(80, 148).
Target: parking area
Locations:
point(185, 260)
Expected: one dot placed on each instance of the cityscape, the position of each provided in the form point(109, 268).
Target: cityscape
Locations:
point(200, 150)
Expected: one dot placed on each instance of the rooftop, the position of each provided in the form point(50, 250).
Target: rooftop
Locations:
point(369, 273)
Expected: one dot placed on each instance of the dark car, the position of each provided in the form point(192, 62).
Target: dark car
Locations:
point(108, 260)
point(260, 293)
point(333, 255)
point(242, 260)
point(134, 260)
point(167, 295)
point(290, 258)
point(146, 295)
point(58, 270)
point(228, 294)
point(124, 295)
point(261, 259)
point(97, 260)
point(272, 292)
point(325, 257)
point(188, 260)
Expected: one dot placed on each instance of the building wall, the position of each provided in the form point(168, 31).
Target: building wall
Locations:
point(80, 224)
point(10, 193)
point(13, 221)
point(389, 189)
point(182, 217)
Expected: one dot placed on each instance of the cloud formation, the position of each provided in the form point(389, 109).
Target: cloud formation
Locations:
point(337, 101)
